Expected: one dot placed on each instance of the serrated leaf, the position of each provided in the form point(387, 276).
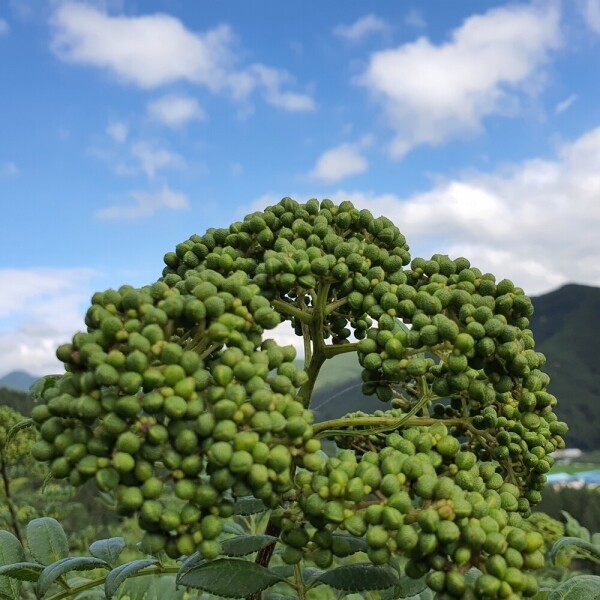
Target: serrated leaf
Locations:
point(360, 577)
point(23, 571)
point(472, 575)
point(47, 540)
point(11, 552)
point(310, 575)
point(283, 571)
point(24, 424)
point(245, 544)
point(108, 550)
point(579, 546)
point(229, 577)
point(409, 587)
point(357, 544)
point(193, 560)
point(117, 576)
point(582, 587)
point(249, 505)
point(234, 528)
point(76, 563)
point(41, 385)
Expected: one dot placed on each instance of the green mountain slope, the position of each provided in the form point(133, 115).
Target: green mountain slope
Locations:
point(566, 325)
point(17, 380)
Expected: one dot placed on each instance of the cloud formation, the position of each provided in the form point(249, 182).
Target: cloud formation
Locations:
point(175, 110)
point(118, 131)
point(565, 104)
point(44, 309)
point(338, 163)
point(362, 28)
point(152, 158)
point(433, 93)
point(591, 14)
point(145, 204)
point(4, 28)
point(155, 50)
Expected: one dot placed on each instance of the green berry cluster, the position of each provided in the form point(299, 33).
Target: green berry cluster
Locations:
point(175, 391)
point(424, 497)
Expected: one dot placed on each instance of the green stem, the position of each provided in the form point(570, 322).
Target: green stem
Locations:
point(299, 582)
point(334, 350)
point(319, 348)
point(304, 316)
point(9, 501)
point(158, 570)
point(335, 305)
point(380, 423)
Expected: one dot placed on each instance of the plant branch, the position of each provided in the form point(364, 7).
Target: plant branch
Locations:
point(9, 500)
point(304, 316)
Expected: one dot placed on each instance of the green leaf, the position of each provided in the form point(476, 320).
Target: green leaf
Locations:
point(41, 385)
point(117, 576)
point(192, 561)
point(24, 571)
point(582, 587)
point(77, 563)
point(357, 544)
point(359, 577)
point(47, 540)
point(408, 587)
point(108, 550)
point(11, 552)
point(249, 505)
point(24, 424)
point(229, 577)
point(577, 545)
point(234, 528)
point(245, 544)
point(310, 575)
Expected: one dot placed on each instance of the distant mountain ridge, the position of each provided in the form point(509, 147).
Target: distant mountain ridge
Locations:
point(18, 380)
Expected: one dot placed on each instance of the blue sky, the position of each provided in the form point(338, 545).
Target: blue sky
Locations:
point(126, 126)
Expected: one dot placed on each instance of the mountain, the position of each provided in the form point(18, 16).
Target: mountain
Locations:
point(18, 380)
point(566, 326)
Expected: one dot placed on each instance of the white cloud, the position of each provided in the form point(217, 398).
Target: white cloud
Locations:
point(3, 27)
point(148, 51)
point(174, 111)
point(156, 50)
point(338, 163)
point(145, 204)
point(8, 170)
point(362, 28)
point(536, 223)
point(43, 310)
point(414, 19)
point(271, 81)
point(565, 104)
point(591, 14)
point(433, 93)
point(118, 131)
point(152, 158)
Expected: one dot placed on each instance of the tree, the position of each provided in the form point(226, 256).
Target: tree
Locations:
point(176, 402)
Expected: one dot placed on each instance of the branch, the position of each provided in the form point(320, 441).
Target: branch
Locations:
point(293, 311)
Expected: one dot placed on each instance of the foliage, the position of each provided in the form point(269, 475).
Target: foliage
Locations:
point(177, 404)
